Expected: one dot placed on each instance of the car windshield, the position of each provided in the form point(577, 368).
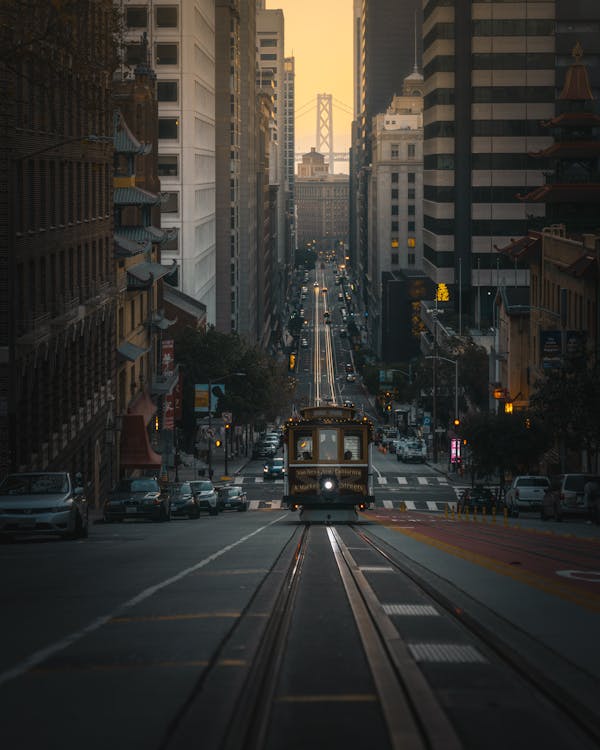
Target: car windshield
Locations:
point(138, 485)
point(533, 482)
point(228, 491)
point(181, 489)
point(277, 462)
point(202, 486)
point(34, 484)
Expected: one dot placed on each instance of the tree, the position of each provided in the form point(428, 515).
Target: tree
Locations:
point(261, 394)
point(567, 402)
point(504, 442)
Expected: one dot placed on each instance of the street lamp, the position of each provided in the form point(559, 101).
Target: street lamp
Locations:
point(455, 363)
point(210, 386)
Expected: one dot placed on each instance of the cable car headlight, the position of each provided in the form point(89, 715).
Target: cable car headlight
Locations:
point(328, 485)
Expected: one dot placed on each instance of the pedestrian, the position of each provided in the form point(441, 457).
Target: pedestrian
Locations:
point(591, 493)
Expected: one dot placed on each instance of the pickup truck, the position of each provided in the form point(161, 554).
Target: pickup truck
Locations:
point(526, 493)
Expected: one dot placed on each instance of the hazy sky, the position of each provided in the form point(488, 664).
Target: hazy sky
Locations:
point(318, 34)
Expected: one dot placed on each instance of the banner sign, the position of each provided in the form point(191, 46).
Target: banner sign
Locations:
point(201, 396)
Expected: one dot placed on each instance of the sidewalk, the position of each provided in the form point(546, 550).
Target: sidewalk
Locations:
point(186, 473)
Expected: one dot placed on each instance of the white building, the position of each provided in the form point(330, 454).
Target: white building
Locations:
point(181, 35)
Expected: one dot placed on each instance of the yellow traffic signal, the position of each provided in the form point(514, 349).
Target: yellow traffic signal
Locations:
point(217, 443)
point(457, 422)
point(292, 361)
point(228, 426)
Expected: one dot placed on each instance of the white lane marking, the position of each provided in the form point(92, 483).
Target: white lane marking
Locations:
point(388, 504)
point(422, 480)
point(40, 656)
point(410, 609)
point(443, 480)
point(254, 504)
point(402, 480)
point(445, 652)
point(375, 568)
point(238, 480)
point(276, 504)
point(382, 480)
point(258, 480)
point(432, 505)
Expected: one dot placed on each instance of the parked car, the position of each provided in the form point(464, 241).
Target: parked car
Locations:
point(205, 495)
point(526, 493)
point(138, 497)
point(350, 377)
point(183, 500)
point(48, 502)
point(274, 469)
point(480, 498)
point(232, 497)
point(566, 496)
point(349, 403)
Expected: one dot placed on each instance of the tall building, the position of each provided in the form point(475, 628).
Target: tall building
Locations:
point(289, 155)
point(57, 306)
point(489, 85)
point(182, 40)
point(396, 201)
point(271, 66)
point(389, 49)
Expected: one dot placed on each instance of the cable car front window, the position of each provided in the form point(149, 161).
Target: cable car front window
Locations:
point(303, 447)
point(328, 445)
point(352, 446)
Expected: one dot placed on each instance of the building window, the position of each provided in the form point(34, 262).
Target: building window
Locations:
point(394, 210)
point(394, 194)
point(167, 165)
point(411, 177)
point(395, 176)
point(166, 16)
point(167, 91)
point(394, 259)
point(411, 193)
point(395, 242)
point(394, 226)
point(171, 204)
point(411, 209)
point(411, 259)
point(268, 42)
point(411, 242)
point(172, 245)
point(268, 56)
point(395, 151)
point(166, 54)
point(411, 226)
point(411, 150)
point(136, 17)
point(168, 128)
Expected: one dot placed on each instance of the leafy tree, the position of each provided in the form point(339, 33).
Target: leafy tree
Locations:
point(504, 442)
point(261, 394)
point(567, 401)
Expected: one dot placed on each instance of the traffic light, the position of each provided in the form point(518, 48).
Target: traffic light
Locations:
point(227, 426)
point(457, 422)
point(292, 364)
point(217, 443)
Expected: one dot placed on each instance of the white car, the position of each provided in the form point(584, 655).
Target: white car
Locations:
point(351, 377)
point(414, 450)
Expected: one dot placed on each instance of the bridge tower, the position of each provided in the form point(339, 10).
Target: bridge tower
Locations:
point(324, 137)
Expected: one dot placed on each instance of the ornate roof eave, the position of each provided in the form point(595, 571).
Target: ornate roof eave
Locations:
point(149, 234)
point(569, 149)
point(523, 247)
point(581, 192)
point(573, 120)
point(136, 196)
point(126, 247)
point(125, 140)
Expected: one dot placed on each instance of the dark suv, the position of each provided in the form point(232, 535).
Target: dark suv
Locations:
point(138, 497)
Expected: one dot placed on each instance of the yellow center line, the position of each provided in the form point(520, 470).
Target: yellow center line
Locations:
point(164, 618)
point(585, 599)
point(342, 698)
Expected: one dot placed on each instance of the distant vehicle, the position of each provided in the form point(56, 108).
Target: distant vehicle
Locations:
point(477, 499)
point(324, 289)
point(349, 403)
point(43, 503)
point(350, 377)
point(315, 283)
point(274, 469)
point(413, 450)
point(264, 449)
point(526, 493)
point(304, 343)
point(343, 333)
point(206, 496)
point(138, 497)
point(566, 496)
point(183, 501)
point(232, 497)
point(349, 367)
point(340, 297)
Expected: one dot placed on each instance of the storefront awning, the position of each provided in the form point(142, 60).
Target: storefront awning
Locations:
point(144, 406)
point(136, 451)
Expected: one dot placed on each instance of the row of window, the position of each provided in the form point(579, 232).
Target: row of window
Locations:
point(410, 259)
point(395, 226)
point(165, 53)
point(493, 27)
point(479, 227)
point(410, 176)
point(494, 61)
point(488, 161)
point(493, 194)
point(499, 128)
point(395, 150)
point(494, 95)
point(165, 16)
point(395, 194)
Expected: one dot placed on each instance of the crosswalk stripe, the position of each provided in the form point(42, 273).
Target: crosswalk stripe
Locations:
point(443, 480)
point(422, 480)
point(382, 480)
point(254, 504)
point(388, 504)
point(402, 480)
point(258, 480)
point(238, 480)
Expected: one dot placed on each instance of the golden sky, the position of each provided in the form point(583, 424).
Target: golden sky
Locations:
point(318, 34)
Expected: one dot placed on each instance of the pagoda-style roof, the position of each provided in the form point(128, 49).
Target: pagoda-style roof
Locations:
point(148, 234)
point(577, 85)
point(569, 150)
point(582, 266)
point(135, 196)
point(125, 246)
point(565, 192)
point(523, 247)
point(125, 140)
point(573, 120)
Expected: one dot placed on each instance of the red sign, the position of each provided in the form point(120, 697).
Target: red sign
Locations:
point(168, 357)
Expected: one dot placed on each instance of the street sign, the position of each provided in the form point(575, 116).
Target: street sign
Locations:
point(227, 416)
